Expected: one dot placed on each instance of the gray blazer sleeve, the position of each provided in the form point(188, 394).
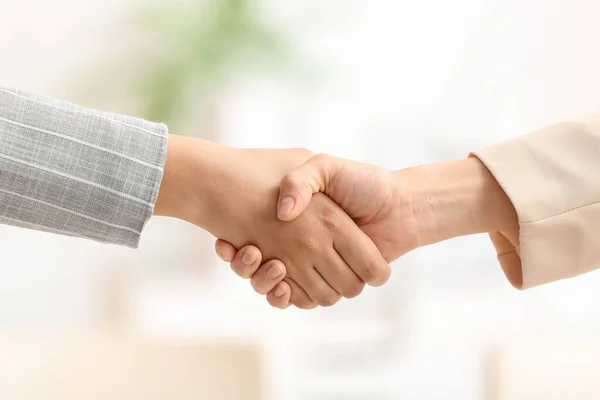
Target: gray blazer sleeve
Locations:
point(75, 171)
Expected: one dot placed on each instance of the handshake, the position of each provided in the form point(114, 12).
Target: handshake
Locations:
point(310, 229)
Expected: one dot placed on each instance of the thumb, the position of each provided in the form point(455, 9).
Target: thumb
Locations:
point(298, 186)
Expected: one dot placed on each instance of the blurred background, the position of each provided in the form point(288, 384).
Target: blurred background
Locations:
point(392, 82)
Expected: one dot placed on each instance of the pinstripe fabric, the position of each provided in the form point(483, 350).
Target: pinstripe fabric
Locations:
point(74, 171)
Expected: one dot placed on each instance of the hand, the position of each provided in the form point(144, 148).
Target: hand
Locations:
point(381, 204)
point(266, 279)
point(403, 210)
point(378, 202)
point(232, 193)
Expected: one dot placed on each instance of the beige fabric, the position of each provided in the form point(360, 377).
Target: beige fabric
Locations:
point(102, 367)
point(552, 176)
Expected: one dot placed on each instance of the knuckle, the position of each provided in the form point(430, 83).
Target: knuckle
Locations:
point(290, 179)
point(372, 272)
point(377, 273)
point(258, 284)
point(369, 272)
point(330, 220)
point(320, 157)
point(298, 298)
point(304, 152)
point(329, 300)
point(295, 182)
point(311, 244)
point(243, 271)
point(304, 304)
point(276, 303)
point(354, 289)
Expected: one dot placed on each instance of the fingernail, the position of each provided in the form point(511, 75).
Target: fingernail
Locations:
point(273, 272)
point(285, 206)
point(221, 256)
point(279, 291)
point(248, 258)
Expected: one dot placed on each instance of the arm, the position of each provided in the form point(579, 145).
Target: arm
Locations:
point(232, 193)
point(399, 210)
point(74, 171)
point(456, 198)
point(551, 177)
point(537, 197)
point(463, 198)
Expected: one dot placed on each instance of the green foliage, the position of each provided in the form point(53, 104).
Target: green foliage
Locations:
point(199, 46)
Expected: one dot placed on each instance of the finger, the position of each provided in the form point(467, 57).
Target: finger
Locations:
point(340, 276)
point(360, 253)
point(246, 261)
point(316, 287)
point(509, 259)
point(279, 297)
point(512, 235)
point(225, 250)
point(502, 244)
point(298, 186)
point(298, 296)
point(268, 276)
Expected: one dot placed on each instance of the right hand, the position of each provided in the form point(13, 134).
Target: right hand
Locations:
point(232, 193)
point(381, 204)
point(401, 211)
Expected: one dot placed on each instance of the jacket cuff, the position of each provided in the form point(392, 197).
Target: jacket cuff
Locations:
point(551, 178)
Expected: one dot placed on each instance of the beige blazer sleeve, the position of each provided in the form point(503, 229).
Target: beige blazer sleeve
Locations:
point(552, 176)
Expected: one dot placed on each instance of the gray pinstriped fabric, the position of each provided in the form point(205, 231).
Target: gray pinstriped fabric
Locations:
point(75, 171)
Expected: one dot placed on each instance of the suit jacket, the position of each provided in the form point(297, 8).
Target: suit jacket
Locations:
point(79, 172)
point(552, 177)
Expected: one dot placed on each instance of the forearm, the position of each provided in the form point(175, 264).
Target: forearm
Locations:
point(456, 198)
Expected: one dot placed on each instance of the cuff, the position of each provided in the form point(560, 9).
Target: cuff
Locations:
point(551, 178)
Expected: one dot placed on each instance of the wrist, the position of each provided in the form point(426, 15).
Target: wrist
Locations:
point(456, 198)
point(190, 178)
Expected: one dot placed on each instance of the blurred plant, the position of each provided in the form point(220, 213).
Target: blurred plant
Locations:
point(197, 48)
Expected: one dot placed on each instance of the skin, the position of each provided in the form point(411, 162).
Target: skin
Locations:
point(399, 210)
point(232, 193)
